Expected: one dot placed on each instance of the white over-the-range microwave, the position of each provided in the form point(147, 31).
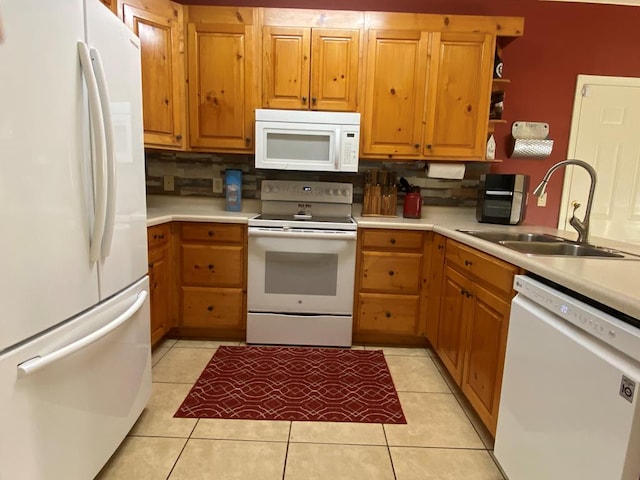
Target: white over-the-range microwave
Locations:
point(307, 140)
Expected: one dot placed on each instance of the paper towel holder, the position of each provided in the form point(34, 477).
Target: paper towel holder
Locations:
point(530, 140)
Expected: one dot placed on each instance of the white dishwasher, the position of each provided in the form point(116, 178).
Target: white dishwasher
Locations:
point(569, 406)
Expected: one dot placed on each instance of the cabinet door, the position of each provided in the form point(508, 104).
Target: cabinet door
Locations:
point(334, 69)
point(454, 311)
point(436, 269)
point(458, 95)
point(486, 340)
point(221, 90)
point(160, 291)
point(286, 64)
point(160, 28)
point(395, 88)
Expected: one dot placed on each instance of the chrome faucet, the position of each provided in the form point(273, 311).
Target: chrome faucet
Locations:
point(581, 226)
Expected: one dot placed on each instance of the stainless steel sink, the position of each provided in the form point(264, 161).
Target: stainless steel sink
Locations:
point(565, 249)
point(498, 237)
point(548, 245)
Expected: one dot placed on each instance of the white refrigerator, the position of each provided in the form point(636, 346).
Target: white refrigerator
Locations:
point(75, 363)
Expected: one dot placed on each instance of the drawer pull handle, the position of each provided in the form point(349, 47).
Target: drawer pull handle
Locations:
point(468, 263)
point(393, 241)
point(210, 308)
point(387, 314)
point(391, 273)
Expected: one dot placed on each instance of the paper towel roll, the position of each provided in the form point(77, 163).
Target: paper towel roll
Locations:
point(445, 170)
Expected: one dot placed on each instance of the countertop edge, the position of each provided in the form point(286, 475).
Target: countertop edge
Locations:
point(569, 272)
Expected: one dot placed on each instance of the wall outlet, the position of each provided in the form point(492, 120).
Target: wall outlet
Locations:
point(168, 183)
point(542, 200)
point(217, 185)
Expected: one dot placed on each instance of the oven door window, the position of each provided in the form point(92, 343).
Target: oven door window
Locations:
point(293, 273)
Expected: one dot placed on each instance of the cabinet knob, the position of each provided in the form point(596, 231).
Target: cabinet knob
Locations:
point(387, 314)
point(304, 100)
point(468, 263)
point(391, 273)
point(210, 266)
point(151, 265)
point(416, 146)
point(440, 247)
point(247, 141)
point(428, 146)
point(313, 100)
point(462, 291)
point(161, 237)
point(210, 308)
point(393, 241)
point(179, 137)
point(211, 233)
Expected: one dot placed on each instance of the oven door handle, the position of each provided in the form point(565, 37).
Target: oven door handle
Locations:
point(258, 232)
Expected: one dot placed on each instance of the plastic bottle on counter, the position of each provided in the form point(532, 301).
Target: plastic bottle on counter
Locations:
point(233, 180)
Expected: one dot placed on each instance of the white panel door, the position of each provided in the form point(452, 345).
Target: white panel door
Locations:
point(45, 170)
point(119, 50)
point(605, 134)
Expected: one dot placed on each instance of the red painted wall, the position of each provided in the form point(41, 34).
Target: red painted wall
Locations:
point(561, 40)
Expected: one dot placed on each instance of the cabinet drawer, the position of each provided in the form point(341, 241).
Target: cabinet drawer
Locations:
point(213, 232)
point(387, 313)
point(212, 307)
point(392, 239)
point(158, 235)
point(391, 272)
point(490, 270)
point(213, 265)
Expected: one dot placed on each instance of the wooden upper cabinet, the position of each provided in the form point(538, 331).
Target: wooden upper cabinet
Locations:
point(395, 87)
point(458, 95)
point(306, 68)
point(159, 25)
point(334, 69)
point(311, 59)
point(428, 84)
point(111, 5)
point(221, 88)
point(286, 58)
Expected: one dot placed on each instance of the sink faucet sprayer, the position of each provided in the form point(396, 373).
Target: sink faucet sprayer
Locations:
point(581, 226)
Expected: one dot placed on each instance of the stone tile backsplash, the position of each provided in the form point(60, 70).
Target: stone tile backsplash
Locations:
point(194, 174)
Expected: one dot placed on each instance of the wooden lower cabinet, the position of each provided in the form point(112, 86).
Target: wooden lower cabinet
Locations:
point(160, 280)
point(213, 280)
point(475, 304)
point(390, 287)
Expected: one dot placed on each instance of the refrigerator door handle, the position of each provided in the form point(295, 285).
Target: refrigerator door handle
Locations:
point(38, 363)
point(103, 91)
point(100, 176)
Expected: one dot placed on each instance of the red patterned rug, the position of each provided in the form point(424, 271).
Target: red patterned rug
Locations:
point(288, 383)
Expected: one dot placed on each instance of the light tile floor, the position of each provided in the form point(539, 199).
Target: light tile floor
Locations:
point(442, 440)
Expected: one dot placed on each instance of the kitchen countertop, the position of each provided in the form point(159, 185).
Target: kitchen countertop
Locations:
point(611, 282)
